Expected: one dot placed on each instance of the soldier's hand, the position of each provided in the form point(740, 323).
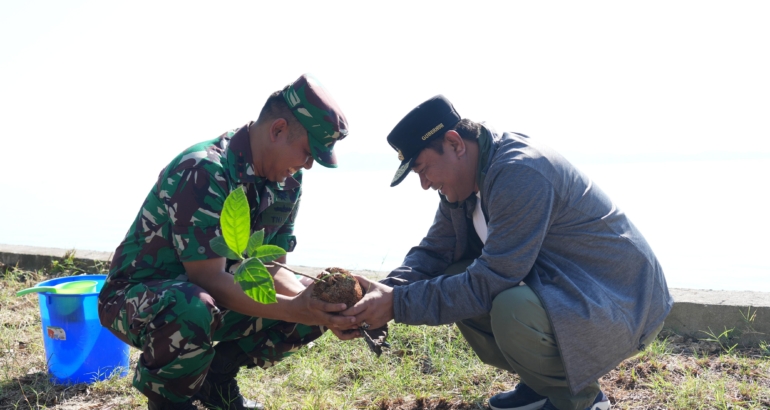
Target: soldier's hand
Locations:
point(311, 311)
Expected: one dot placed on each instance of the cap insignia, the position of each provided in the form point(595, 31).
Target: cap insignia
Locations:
point(432, 131)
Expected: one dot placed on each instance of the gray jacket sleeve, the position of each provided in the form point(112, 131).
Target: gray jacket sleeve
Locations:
point(520, 204)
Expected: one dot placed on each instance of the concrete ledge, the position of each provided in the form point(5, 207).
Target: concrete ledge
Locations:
point(745, 314)
point(34, 258)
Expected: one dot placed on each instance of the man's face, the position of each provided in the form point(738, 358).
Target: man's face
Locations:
point(445, 173)
point(292, 153)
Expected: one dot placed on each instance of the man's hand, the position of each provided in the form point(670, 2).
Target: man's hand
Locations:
point(210, 275)
point(317, 312)
point(376, 308)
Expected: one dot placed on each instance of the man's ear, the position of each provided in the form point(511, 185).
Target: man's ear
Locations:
point(456, 142)
point(279, 127)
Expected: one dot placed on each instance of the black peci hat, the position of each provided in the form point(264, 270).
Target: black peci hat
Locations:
point(412, 134)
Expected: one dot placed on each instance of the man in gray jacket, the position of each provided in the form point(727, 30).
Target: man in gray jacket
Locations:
point(542, 273)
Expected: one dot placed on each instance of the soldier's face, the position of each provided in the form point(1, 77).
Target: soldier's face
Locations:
point(447, 173)
point(293, 154)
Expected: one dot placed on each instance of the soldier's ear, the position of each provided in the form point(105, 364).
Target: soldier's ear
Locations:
point(279, 128)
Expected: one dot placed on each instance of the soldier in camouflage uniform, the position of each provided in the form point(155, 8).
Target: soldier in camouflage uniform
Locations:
point(171, 296)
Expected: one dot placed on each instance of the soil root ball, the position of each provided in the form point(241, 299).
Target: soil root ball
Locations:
point(338, 287)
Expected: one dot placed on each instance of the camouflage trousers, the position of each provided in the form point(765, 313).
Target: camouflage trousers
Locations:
point(175, 325)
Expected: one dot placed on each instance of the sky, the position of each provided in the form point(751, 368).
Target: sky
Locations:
point(664, 104)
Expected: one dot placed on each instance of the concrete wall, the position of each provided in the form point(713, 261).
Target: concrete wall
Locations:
point(745, 314)
point(33, 258)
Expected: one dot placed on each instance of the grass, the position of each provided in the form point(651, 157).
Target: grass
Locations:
point(426, 368)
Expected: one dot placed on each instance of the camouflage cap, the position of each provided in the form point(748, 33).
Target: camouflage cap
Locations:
point(319, 114)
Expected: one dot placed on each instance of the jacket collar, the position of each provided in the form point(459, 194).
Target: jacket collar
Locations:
point(488, 142)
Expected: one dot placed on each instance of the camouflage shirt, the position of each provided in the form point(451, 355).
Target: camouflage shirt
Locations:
point(181, 213)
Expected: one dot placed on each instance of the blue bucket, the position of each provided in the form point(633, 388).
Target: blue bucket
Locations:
point(77, 348)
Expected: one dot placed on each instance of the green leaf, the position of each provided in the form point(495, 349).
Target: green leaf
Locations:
point(268, 253)
point(254, 242)
point(235, 221)
point(219, 246)
point(256, 281)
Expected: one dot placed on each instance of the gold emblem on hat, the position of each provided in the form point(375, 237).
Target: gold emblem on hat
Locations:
point(432, 131)
point(400, 156)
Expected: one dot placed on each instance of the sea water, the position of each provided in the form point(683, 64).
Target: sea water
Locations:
point(706, 220)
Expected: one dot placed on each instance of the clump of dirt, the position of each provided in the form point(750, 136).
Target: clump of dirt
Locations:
point(338, 286)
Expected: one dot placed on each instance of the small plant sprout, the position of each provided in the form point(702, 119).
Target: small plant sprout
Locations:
point(722, 339)
point(252, 274)
point(257, 282)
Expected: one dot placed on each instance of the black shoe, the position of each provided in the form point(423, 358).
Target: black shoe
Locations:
point(601, 402)
point(220, 390)
point(225, 396)
point(522, 397)
point(167, 405)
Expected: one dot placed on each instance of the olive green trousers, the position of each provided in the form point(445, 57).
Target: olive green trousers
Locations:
point(517, 336)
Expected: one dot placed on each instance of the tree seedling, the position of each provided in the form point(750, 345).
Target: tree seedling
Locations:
point(236, 241)
point(332, 285)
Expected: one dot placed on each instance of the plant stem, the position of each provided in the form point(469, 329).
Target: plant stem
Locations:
point(298, 273)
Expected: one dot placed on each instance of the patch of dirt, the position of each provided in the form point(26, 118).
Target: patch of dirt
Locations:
point(339, 286)
point(425, 403)
point(632, 384)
